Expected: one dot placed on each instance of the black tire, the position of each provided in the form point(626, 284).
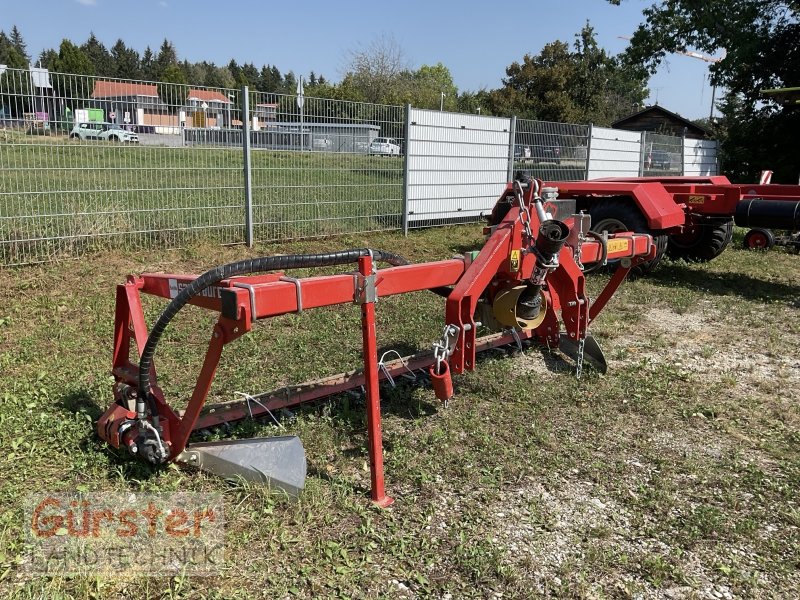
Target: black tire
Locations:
point(759, 239)
point(701, 242)
point(622, 214)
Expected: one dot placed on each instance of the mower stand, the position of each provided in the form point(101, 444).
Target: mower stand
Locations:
point(592, 353)
point(278, 461)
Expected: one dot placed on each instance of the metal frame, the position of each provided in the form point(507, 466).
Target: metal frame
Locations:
point(243, 300)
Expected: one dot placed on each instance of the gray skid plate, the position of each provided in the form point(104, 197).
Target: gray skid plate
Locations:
point(592, 353)
point(279, 461)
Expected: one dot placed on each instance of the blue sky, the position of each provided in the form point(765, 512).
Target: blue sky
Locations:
point(475, 40)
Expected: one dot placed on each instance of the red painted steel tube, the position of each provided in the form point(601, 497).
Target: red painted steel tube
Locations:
point(201, 390)
point(371, 380)
point(275, 298)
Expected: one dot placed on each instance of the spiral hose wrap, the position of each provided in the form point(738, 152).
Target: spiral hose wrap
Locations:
point(242, 267)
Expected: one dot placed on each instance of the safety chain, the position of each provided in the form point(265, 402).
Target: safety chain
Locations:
point(444, 348)
point(579, 361)
point(524, 209)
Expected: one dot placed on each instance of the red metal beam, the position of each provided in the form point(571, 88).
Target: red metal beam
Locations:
point(655, 203)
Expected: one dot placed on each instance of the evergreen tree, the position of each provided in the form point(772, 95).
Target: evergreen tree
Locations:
point(99, 55)
point(148, 65)
point(9, 55)
point(19, 44)
point(249, 75)
point(289, 85)
point(125, 61)
point(219, 77)
point(167, 57)
point(72, 59)
point(47, 59)
point(235, 70)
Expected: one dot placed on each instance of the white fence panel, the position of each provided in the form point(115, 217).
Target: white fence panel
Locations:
point(614, 153)
point(457, 165)
point(700, 157)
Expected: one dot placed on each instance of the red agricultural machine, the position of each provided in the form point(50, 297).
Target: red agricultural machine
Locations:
point(689, 217)
point(527, 282)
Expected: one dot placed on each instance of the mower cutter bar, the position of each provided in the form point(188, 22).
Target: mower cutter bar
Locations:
point(260, 404)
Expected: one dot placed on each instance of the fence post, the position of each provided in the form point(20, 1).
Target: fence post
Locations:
point(248, 189)
point(589, 151)
point(511, 144)
point(406, 135)
point(683, 152)
point(642, 150)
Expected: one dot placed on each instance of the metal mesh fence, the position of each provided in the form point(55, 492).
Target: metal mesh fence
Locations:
point(662, 155)
point(95, 162)
point(90, 162)
point(551, 151)
point(330, 167)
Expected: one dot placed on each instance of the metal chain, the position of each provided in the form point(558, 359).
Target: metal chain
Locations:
point(579, 367)
point(443, 348)
point(524, 210)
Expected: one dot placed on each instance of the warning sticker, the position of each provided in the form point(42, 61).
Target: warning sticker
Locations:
point(618, 246)
point(514, 260)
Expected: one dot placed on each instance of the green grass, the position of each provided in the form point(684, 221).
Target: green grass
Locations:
point(61, 197)
point(677, 472)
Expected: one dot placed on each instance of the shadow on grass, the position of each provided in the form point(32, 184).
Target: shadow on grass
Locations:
point(676, 274)
point(80, 401)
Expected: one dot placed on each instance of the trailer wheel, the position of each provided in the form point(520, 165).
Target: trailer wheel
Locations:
point(759, 239)
point(701, 242)
point(615, 215)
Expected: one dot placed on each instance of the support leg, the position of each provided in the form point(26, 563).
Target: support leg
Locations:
point(371, 380)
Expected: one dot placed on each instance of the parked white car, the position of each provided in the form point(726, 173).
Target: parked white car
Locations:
point(384, 146)
point(110, 132)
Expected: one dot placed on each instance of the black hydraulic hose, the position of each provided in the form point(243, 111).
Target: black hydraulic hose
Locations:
point(250, 265)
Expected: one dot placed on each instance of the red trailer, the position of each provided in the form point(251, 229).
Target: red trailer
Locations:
point(689, 217)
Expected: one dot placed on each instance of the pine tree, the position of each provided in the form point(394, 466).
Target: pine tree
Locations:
point(126, 62)
point(249, 75)
point(47, 59)
point(99, 55)
point(9, 55)
point(19, 44)
point(167, 57)
point(72, 59)
point(148, 65)
point(235, 70)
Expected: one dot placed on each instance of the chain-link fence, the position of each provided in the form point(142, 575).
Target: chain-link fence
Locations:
point(95, 162)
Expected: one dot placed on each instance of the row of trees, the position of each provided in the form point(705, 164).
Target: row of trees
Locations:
point(124, 62)
point(576, 83)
